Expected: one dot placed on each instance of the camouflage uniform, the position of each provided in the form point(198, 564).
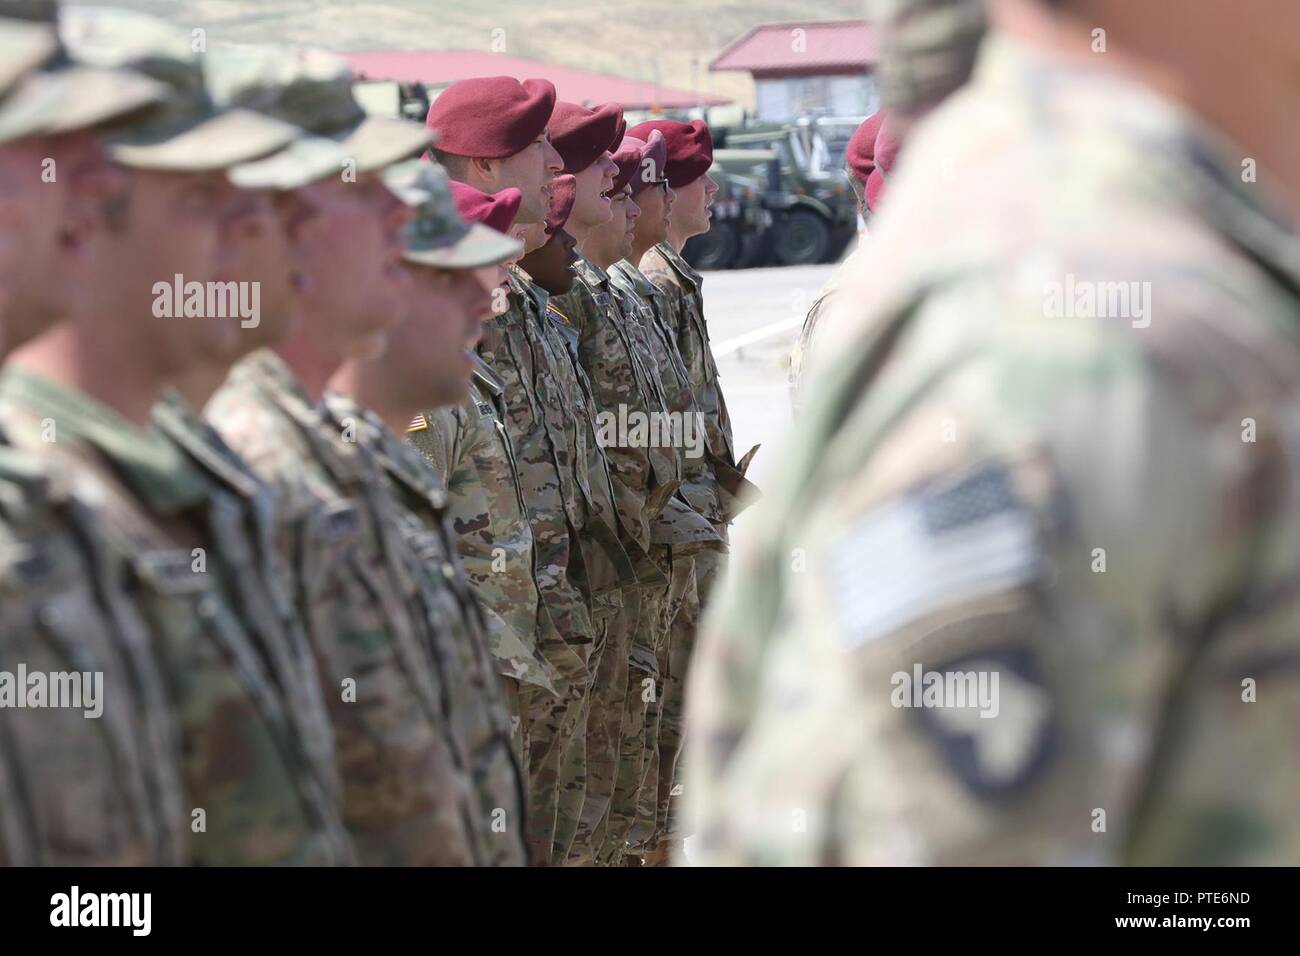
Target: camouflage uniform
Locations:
point(673, 276)
point(451, 612)
point(560, 338)
point(245, 764)
point(546, 473)
point(469, 445)
point(407, 796)
point(74, 790)
point(692, 564)
point(77, 791)
point(244, 540)
point(1009, 480)
point(682, 303)
point(615, 352)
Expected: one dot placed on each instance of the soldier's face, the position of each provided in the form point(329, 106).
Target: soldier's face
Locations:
point(531, 171)
point(350, 255)
point(255, 253)
point(656, 205)
point(690, 213)
point(158, 227)
point(428, 355)
point(591, 202)
point(551, 266)
point(50, 187)
point(612, 241)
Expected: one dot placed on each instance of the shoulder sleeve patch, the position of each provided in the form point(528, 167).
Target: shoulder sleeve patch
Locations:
point(937, 547)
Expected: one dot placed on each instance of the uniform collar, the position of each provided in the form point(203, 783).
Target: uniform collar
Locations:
point(674, 259)
point(591, 273)
point(176, 418)
point(484, 375)
point(152, 466)
point(634, 277)
point(394, 455)
point(271, 373)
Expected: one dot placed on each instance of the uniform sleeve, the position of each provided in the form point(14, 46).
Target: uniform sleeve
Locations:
point(994, 614)
point(436, 440)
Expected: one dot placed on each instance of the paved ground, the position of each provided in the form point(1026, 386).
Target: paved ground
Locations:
point(741, 305)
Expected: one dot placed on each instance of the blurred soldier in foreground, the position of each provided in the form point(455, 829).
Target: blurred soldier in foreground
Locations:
point(97, 784)
point(1036, 541)
point(427, 364)
point(80, 397)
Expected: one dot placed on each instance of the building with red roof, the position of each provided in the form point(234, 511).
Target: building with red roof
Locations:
point(820, 66)
point(437, 69)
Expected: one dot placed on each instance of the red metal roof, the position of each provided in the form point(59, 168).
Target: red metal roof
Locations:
point(826, 46)
point(443, 67)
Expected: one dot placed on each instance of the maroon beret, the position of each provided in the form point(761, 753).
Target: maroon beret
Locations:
point(644, 162)
point(628, 159)
point(861, 152)
point(690, 148)
point(885, 152)
point(497, 210)
point(564, 191)
point(581, 135)
point(888, 143)
point(491, 117)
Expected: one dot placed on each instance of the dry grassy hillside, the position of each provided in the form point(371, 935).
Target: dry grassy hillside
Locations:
point(642, 39)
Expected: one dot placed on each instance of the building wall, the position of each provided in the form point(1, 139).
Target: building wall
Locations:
point(781, 98)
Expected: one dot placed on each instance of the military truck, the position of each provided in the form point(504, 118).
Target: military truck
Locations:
point(740, 223)
point(813, 207)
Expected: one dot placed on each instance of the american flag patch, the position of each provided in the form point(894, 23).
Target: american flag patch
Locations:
point(930, 551)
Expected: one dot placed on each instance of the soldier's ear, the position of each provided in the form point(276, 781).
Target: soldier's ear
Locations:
point(485, 168)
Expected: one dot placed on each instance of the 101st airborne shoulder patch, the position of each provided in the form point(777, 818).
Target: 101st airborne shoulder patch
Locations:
point(947, 544)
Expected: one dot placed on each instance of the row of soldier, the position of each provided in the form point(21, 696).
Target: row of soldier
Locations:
point(365, 575)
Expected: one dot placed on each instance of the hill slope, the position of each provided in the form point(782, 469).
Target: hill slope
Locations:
point(640, 39)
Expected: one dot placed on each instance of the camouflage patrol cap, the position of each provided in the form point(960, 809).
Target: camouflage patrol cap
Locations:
point(60, 95)
point(438, 236)
point(23, 46)
point(188, 131)
point(312, 90)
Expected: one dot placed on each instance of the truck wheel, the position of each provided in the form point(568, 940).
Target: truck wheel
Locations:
point(716, 249)
point(801, 239)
